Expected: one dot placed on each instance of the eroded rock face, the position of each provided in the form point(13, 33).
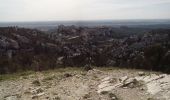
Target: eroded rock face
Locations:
point(22, 39)
point(13, 44)
point(7, 43)
point(157, 85)
point(96, 84)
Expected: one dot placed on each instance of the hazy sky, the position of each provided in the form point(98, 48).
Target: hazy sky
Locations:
point(46, 10)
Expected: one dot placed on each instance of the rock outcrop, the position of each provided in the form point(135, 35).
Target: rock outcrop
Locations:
point(79, 46)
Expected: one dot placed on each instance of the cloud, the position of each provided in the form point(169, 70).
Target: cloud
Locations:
point(29, 10)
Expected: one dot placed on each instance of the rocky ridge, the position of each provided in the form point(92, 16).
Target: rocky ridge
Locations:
point(28, 49)
point(95, 84)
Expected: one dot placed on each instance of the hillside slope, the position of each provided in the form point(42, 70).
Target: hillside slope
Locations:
point(28, 49)
point(96, 84)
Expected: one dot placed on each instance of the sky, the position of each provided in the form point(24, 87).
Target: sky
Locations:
point(63, 10)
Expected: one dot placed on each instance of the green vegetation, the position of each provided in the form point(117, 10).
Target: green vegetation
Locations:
point(29, 49)
point(15, 76)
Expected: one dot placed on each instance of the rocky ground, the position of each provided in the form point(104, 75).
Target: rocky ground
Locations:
point(77, 84)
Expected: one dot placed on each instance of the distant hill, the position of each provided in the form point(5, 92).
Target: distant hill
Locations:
point(45, 25)
point(24, 49)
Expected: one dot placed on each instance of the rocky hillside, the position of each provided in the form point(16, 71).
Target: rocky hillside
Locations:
point(77, 84)
point(28, 49)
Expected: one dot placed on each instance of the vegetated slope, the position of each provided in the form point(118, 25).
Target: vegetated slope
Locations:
point(28, 49)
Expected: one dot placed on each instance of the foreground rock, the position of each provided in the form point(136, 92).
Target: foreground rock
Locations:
point(157, 85)
point(95, 84)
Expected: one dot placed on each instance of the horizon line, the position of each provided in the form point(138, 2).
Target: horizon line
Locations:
point(84, 20)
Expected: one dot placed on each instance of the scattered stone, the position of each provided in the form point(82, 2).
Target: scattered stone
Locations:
point(113, 96)
point(40, 94)
point(122, 79)
point(47, 98)
point(34, 97)
point(104, 92)
point(151, 99)
point(37, 95)
point(94, 72)
point(11, 98)
point(130, 82)
point(27, 92)
point(56, 98)
point(86, 96)
point(36, 91)
point(141, 73)
point(106, 79)
point(36, 83)
point(87, 67)
point(40, 90)
point(67, 75)
point(106, 85)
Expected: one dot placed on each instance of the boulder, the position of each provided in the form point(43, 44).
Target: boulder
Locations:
point(141, 73)
point(22, 39)
point(38, 95)
point(7, 43)
point(11, 98)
